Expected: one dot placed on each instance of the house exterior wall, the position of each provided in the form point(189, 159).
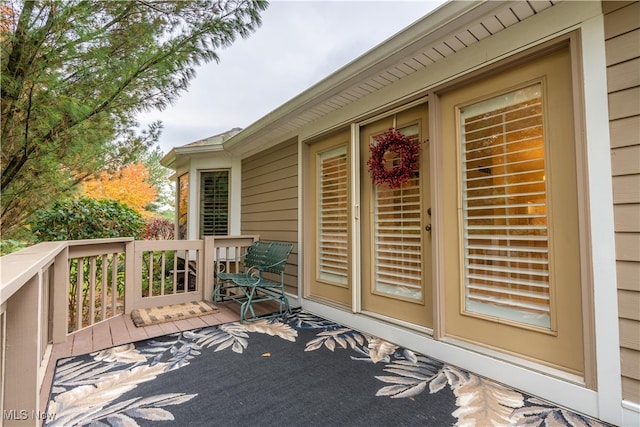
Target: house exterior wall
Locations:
point(622, 36)
point(270, 200)
point(273, 193)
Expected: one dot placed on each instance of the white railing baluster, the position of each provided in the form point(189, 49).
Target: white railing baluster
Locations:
point(103, 288)
point(114, 283)
point(92, 290)
point(150, 269)
point(162, 270)
point(175, 272)
point(79, 286)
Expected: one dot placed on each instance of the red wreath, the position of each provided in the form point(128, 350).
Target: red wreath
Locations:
point(404, 146)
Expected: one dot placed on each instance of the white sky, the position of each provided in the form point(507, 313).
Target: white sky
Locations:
point(298, 44)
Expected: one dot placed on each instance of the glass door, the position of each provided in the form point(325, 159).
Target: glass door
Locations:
point(512, 252)
point(329, 219)
point(395, 224)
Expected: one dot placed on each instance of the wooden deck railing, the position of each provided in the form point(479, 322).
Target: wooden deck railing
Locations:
point(54, 288)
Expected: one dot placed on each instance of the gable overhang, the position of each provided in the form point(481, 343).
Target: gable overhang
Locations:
point(451, 28)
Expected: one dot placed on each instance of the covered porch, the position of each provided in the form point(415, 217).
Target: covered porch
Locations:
point(40, 327)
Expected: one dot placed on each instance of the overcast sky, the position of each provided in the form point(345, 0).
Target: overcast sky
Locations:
point(298, 44)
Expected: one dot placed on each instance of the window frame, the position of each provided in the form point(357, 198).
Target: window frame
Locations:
point(201, 189)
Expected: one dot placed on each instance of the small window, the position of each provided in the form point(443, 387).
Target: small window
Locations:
point(183, 206)
point(333, 198)
point(504, 206)
point(214, 203)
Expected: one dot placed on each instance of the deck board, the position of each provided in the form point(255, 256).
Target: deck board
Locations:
point(157, 330)
point(168, 328)
point(102, 336)
point(119, 333)
point(82, 342)
point(136, 334)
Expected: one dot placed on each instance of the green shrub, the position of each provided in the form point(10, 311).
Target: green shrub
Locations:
point(86, 218)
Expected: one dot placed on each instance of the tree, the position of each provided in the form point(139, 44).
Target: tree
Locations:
point(75, 74)
point(129, 186)
point(160, 178)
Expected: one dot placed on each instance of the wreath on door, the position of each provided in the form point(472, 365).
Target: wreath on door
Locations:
point(405, 147)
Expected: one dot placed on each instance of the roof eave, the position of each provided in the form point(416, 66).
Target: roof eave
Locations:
point(431, 27)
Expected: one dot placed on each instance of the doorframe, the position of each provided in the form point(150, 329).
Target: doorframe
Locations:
point(605, 401)
point(356, 224)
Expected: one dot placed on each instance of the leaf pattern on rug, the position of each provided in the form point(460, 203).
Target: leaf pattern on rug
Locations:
point(126, 353)
point(304, 320)
point(412, 377)
point(176, 353)
point(232, 335)
point(379, 349)
point(485, 402)
point(273, 328)
point(543, 413)
point(93, 402)
point(480, 401)
point(341, 337)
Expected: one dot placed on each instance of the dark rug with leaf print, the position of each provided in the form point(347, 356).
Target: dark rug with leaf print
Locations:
point(303, 371)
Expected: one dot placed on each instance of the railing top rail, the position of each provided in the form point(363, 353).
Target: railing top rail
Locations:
point(99, 241)
point(17, 268)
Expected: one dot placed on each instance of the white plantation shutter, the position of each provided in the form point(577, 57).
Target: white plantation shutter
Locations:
point(333, 213)
point(398, 234)
point(506, 262)
point(214, 203)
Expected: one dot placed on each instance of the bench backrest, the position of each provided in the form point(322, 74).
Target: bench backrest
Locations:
point(272, 255)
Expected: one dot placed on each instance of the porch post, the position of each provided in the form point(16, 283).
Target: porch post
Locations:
point(209, 257)
point(22, 357)
point(130, 278)
point(60, 296)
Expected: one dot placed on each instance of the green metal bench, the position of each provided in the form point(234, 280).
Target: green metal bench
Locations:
point(254, 284)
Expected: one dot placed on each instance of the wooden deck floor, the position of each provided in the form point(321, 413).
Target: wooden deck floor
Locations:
point(120, 330)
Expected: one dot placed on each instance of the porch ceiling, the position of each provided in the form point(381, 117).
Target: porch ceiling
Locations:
point(449, 29)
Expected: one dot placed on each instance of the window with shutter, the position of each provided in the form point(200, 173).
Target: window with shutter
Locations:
point(504, 208)
point(398, 234)
point(183, 206)
point(333, 198)
point(214, 203)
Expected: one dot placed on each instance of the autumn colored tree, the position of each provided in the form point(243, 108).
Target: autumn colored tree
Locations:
point(129, 186)
point(76, 74)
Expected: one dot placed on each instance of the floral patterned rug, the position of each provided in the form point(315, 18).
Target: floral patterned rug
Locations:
point(303, 370)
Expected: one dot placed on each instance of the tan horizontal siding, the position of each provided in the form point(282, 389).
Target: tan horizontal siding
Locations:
point(283, 183)
point(630, 368)
point(626, 189)
point(624, 132)
point(630, 331)
point(628, 274)
point(622, 43)
point(626, 217)
point(628, 305)
point(626, 160)
point(270, 200)
point(623, 75)
point(624, 103)
point(628, 246)
point(283, 205)
point(623, 47)
point(620, 18)
point(630, 388)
